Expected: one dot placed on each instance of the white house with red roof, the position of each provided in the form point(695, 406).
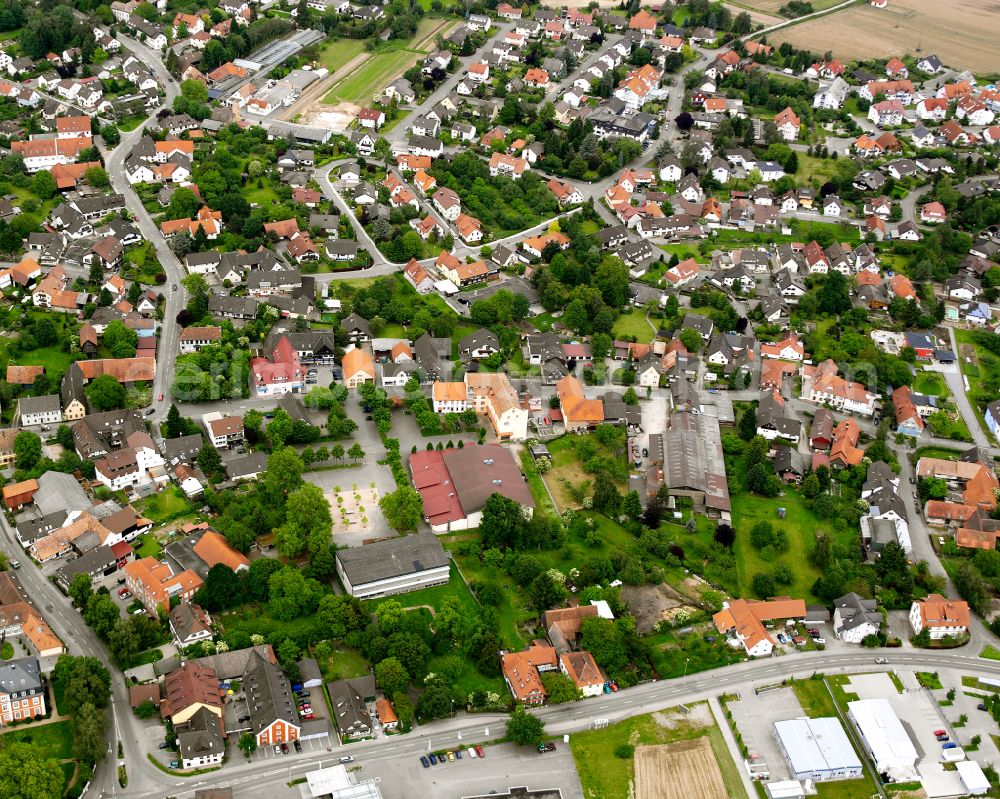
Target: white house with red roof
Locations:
point(282, 374)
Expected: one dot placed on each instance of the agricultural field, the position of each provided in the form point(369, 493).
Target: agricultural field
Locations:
point(683, 770)
point(774, 6)
point(953, 30)
point(607, 766)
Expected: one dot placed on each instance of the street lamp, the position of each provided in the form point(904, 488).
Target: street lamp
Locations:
point(686, 661)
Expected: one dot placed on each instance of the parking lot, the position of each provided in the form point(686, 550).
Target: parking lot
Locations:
point(755, 714)
point(505, 766)
point(310, 746)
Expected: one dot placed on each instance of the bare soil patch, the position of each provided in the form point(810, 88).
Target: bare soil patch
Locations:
point(654, 603)
point(961, 32)
point(683, 770)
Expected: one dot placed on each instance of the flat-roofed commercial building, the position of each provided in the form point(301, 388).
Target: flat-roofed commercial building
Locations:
point(885, 738)
point(817, 749)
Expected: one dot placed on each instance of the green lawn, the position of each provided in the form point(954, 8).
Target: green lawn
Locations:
point(150, 546)
point(345, 663)
point(812, 168)
point(53, 740)
point(433, 596)
point(371, 77)
point(168, 504)
point(604, 775)
point(930, 383)
point(535, 483)
point(990, 653)
point(800, 527)
point(633, 325)
point(928, 679)
point(337, 52)
point(6, 651)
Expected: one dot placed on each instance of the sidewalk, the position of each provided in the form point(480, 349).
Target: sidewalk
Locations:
point(734, 750)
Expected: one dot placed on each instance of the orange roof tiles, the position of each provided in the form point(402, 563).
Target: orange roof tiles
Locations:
point(938, 611)
point(357, 360)
point(575, 406)
point(214, 549)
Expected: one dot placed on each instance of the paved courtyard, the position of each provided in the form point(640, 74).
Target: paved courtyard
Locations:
point(755, 714)
point(353, 508)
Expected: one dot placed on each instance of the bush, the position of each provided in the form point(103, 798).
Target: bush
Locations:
point(625, 751)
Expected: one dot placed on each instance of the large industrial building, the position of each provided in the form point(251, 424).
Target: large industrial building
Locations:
point(885, 738)
point(817, 749)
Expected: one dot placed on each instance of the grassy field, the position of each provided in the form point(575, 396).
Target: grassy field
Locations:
point(812, 168)
point(168, 504)
point(800, 527)
point(633, 325)
point(990, 653)
point(149, 547)
point(567, 470)
point(434, 596)
point(344, 664)
point(930, 383)
point(337, 52)
point(53, 740)
point(604, 775)
point(384, 66)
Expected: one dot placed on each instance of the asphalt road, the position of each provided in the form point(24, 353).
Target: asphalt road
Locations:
point(175, 299)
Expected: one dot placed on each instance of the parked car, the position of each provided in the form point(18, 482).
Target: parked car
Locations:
point(820, 641)
point(284, 748)
point(472, 752)
point(943, 737)
point(451, 756)
point(175, 764)
point(480, 752)
point(433, 759)
point(425, 762)
point(981, 706)
point(277, 749)
point(614, 689)
point(15, 564)
point(164, 745)
point(243, 719)
point(950, 745)
point(297, 744)
point(458, 754)
point(547, 746)
point(813, 632)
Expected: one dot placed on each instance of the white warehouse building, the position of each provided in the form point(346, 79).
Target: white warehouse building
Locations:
point(884, 737)
point(817, 749)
